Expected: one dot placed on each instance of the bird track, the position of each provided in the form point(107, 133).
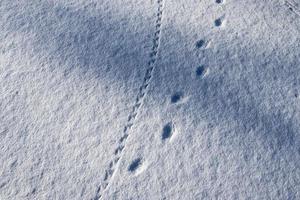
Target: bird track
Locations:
point(113, 165)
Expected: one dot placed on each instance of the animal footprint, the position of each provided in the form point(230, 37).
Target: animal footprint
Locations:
point(220, 1)
point(167, 131)
point(220, 22)
point(202, 44)
point(176, 97)
point(201, 71)
point(137, 166)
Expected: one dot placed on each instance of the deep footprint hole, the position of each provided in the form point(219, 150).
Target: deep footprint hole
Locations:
point(135, 164)
point(200, 43)
point(218, 22)
point(167, 131)
point(200, 71)
point(219, 1)
point(176, 97)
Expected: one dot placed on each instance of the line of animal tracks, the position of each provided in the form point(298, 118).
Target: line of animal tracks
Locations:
point(113, 165)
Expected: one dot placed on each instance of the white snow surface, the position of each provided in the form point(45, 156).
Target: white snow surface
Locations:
point(149, 99)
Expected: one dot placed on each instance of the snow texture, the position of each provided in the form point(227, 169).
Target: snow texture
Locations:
point(152, 99)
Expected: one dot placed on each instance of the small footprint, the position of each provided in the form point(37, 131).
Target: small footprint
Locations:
point(201, 71)
point(220, 21)
point(135, 165)
point(167, 131)
point(202, 44)
point(220, 1)
point(176, 97)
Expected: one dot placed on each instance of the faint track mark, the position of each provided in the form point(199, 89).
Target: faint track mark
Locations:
point(113, 165)
point(293, 6)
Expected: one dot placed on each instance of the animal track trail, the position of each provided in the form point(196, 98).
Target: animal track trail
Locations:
point(220, 22)
point(113, 165)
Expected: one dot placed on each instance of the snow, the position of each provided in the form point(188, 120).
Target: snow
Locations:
point(157, 99)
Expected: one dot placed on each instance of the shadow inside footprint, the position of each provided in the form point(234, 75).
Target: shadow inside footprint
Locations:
point(200, 44)
point(134, 164)
point(176, 97)
point(200, 70)
point(220, 21)
point(167, 131)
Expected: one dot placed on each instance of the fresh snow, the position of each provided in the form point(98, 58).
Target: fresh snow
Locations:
point(153, 99)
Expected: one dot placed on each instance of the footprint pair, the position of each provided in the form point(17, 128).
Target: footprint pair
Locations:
point(220, 21)
point(202, 44)
point(167, 133)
